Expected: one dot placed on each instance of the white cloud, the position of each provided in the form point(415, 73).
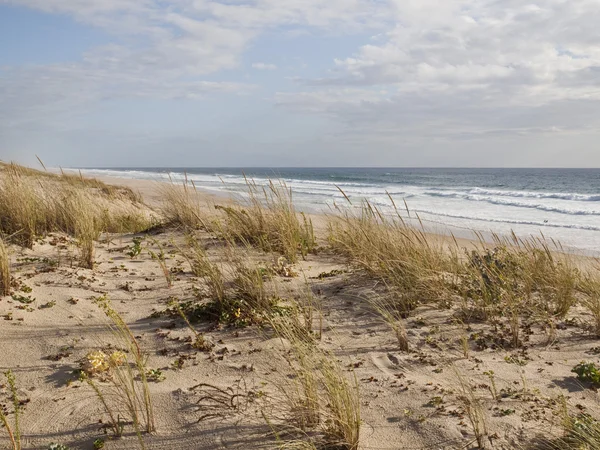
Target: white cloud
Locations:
point(512, 47)
point(264, 66)
point(462, 67)
point(163, 49)
point(448, 70)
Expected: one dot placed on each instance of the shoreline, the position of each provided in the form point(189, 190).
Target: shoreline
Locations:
point(467, 238)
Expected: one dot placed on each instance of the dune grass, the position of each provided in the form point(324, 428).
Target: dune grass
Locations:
point(204, 268)
point(35, 203)
point(590, 289)
point(267, 219)
point(318, 405)
point(128, 376)
point(506, 279)
point(404, 258)
point(4, 269)
point(182, 206)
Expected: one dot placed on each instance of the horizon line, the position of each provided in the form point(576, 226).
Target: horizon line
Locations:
point(327, 167)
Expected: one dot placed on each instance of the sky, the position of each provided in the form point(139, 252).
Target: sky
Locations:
point(279, 83)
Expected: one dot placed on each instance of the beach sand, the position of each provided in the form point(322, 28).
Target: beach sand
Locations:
point(407, 400)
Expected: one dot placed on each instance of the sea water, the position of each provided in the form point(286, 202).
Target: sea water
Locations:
point(560, 204)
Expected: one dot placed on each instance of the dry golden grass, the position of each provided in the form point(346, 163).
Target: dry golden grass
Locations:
point(580, 430)
point(505, 280)
point(267, 219)
point(128, 377)
point(412, 266)
point(202, 267)
point(234, 289)
point(75, 180)
point(35, 203)
point(590, 289)
point(474, 409)
point(4, 269)
point(318, 405)
point(182, 206)
point(250, 281)
point(23, 211)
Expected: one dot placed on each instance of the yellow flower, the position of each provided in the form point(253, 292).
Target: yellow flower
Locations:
point(95, 362)
point(117, 358)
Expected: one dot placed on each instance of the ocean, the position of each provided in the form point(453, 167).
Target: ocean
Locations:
point(561, 204)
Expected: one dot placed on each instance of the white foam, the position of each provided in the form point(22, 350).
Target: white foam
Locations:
point(528, 194)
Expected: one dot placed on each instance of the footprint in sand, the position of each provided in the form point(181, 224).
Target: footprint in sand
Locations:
point(386, 363)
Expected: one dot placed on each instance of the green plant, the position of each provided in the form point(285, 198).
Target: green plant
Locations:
point(26, 300)
point(136, 247)
point(200, 342)
point(14, 432)
point(587, 371)
point(493, 389)
point(54, 446)
point(161, 257)
point(155, 375)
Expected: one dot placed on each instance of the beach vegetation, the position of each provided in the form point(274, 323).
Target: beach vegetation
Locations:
point(267, 219)
point(127, 393)
point(34, 203)
point(4, 269)
point(318, 405)
point(12, 429)
point(181, 205)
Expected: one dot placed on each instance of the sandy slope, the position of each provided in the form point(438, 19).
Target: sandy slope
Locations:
point(409, 400)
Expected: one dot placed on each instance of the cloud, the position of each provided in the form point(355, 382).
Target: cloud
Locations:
point(470, 67)
point(264, 66)
point(161, 49)
point(457, 70)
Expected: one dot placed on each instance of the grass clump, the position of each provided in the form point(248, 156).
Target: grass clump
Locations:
point(410, 264)
point(474, 410)
point(590, 300)
point(317, 405)
point(580, 431)
point(202, 267)
point(388, 310)
point(35, 203)
point(126, 372)
point(501, 282)
point(541, 277)
point(181, 205)
point(4, 269)
point(237, 290)
point(267, 219)
point(24, 213)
